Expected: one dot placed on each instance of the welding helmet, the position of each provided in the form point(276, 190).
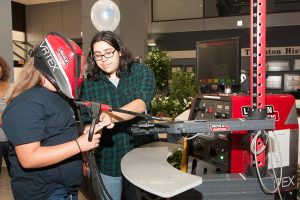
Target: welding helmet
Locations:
point(60, 60)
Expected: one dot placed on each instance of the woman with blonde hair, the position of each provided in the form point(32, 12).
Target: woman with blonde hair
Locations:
point(45, 149)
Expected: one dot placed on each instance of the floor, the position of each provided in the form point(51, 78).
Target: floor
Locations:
point(6, 193)
point(5, 190)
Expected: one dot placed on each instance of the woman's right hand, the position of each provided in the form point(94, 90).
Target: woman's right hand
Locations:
point(104, 121)
point(83, 142)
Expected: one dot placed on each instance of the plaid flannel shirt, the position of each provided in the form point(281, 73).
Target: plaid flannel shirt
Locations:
point(116, 142)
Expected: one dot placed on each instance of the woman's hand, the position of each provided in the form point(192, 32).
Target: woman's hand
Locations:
point(84, 144)
point(106, 119)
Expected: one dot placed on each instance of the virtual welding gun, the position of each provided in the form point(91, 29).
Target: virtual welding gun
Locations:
point(207, 128)
point(95, 109)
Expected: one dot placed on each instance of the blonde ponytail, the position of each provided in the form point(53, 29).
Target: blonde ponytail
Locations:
point(28, 78)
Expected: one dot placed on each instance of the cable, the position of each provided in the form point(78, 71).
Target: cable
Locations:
point(253, 148)
point(97, 182)
point(258, 173)
point(192, 137)
point(253, 143)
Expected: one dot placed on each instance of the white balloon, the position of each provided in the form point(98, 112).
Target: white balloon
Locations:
point(105, 15)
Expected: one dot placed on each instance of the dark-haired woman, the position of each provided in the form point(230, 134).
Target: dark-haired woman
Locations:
point(116, 79)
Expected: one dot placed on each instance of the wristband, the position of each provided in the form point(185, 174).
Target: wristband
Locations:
point(78, 145)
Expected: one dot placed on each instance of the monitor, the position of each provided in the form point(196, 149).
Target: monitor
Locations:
point(218, 64)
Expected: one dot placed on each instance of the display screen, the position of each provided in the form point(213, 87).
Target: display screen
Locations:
point(274, 82)
point(218, 62)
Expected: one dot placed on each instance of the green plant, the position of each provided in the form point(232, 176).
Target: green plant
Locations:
point(183, 87)
point(160, 63)
point(159, 105)
point(174, 93)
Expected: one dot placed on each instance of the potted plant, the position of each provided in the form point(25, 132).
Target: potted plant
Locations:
point(183, 87)
point(174, 91)
point(160, 63)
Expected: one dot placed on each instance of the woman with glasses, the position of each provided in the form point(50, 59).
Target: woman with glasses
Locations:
point(116, 79)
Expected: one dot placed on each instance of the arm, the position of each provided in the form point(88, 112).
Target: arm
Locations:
point(33, 155)
point(144, 93)
point(137, 105)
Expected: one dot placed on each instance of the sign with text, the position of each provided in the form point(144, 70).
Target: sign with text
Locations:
point(276, 51)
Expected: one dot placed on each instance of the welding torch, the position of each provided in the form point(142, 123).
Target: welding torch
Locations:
point(96, 108)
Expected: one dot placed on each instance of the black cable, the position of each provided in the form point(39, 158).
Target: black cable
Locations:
point(98, 186)
point(145, 116)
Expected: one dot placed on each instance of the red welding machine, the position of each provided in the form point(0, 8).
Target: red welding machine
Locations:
point(230, 153)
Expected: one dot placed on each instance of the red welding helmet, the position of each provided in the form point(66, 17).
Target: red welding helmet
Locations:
point(60, 60)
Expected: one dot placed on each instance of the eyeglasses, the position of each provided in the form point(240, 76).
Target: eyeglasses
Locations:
point(99, 56)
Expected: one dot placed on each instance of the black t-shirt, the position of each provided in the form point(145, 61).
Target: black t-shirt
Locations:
point(35, 115)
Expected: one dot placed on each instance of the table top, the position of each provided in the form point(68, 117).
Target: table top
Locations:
point(147, 168)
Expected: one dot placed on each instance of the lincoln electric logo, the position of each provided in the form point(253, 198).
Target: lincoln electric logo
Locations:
point(48, 56)
point(218, 127)
point(63, 58)
point(270, 112)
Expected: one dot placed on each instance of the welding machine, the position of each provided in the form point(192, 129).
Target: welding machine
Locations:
point(229, 153)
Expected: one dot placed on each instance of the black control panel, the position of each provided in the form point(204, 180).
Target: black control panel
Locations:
point(210, 155)
point(207, 107)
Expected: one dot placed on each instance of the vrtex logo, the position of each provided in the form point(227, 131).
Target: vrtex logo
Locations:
point(270, 112)
point(48, 57)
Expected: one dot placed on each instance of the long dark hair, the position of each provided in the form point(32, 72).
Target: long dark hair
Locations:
point(126, 58)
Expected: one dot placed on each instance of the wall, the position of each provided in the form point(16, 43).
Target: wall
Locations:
point(179, 37)
point(6, 38)
point(18, 36)
point(88, 30)
point(6, 34)
point(182, 34)
point(62, 17)
point(133, 27)
point(18, 16)
point(72, 18)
